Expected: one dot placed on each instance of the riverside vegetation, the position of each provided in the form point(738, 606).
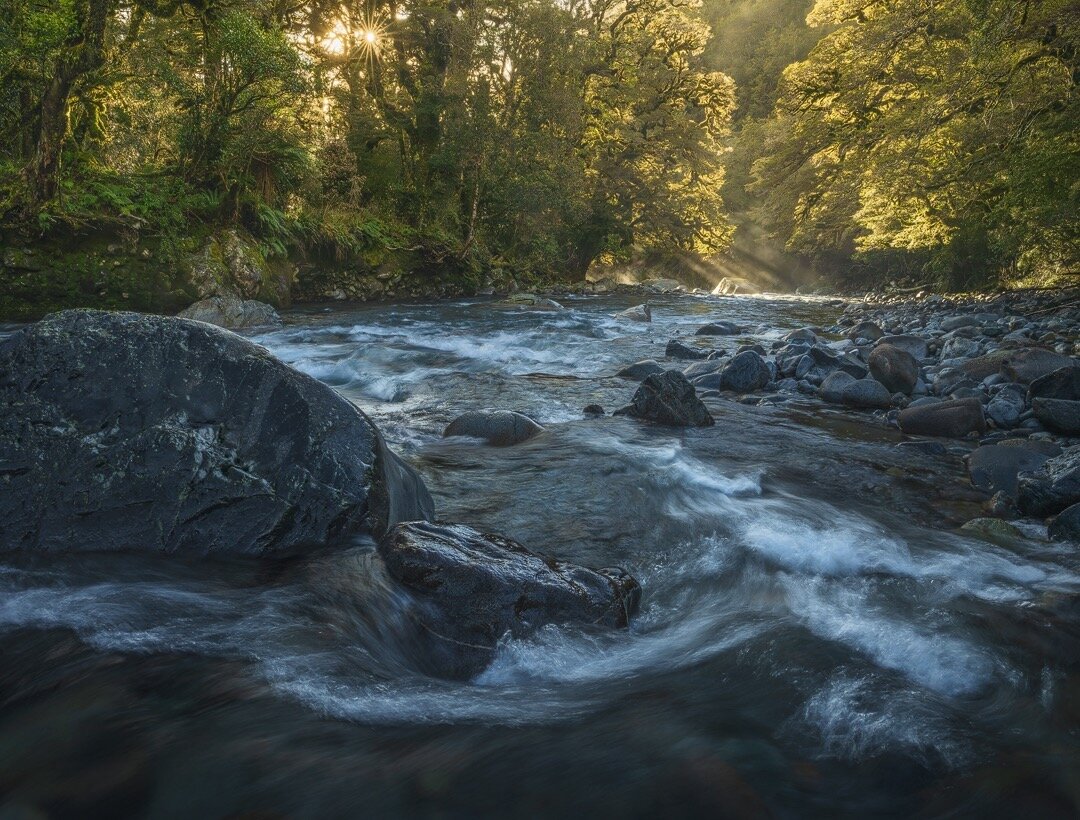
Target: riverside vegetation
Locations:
point(153, 153)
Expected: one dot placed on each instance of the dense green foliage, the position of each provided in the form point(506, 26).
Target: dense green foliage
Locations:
point(531, 134)
point(540, 136)
point(941, 136)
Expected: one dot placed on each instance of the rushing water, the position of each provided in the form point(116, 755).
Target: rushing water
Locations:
point(815, 637)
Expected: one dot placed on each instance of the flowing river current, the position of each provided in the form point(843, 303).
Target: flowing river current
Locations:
point(815, 638)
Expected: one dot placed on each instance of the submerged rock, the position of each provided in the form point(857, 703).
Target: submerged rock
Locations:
point(668, 398)
point(232, 312)
point(473, 588)
point(124, 431)
point(1053, 487)
point(499, 427)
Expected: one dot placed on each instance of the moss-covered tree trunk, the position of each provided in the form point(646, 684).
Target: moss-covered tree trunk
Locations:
point(84, 52)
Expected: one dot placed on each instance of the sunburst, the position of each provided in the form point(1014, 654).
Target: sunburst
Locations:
point(362, 37)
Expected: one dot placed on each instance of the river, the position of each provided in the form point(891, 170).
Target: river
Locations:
point(815, 638)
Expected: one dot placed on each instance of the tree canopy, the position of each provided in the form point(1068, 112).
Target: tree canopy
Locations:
point(545, 135)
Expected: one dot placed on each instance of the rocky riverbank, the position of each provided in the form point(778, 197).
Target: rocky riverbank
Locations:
point(997, 377)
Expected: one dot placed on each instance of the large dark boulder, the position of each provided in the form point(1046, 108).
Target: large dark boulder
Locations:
point(1024, 365)
point(1053, 487)
point(639, 370)
point(1066, 526)
point(832, 389)
point(499, 427)
point(915, 346)
point(129, 432)
point(668, 398)
point(865, 394)
point(866, 330)
point(818, 364)
point(1062, 384)
point(950, 419)
point(473, 588)
point(1059, 415)
point(894, 368)
point(745, 373)
point(679, 350)
point(994, 468)
point(719, 329)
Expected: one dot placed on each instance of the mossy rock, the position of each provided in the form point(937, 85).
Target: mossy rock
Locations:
point(994, 530)
point(231, 263)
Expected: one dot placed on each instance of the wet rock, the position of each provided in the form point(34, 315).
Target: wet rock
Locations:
point(499, 427)
point(1000, 505)
point(957, 322)
point(124, 431)
point(698, 369)
point(668, 398)
point(1066, 526)
point(803, 335)
point(754, 348)
point(787, 386)
point(1006, 407)
point(232, 312)
point(949, 419)
point(959, 348)
point(638, 313)
point(473, 588)
point(894, 368)
point(787, 358)
point(745, 373)
point(819, 363)
point(1053, 487)
point(994, 468)
point(866, 330)
point(677, 350)
point(1058, 415)
point(832, 389)
point(914, 346)
point(719, 329)
point(1024, 365)
point(593, 410)
point(639, 370)
point(1062, 384)
point(865, 394)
